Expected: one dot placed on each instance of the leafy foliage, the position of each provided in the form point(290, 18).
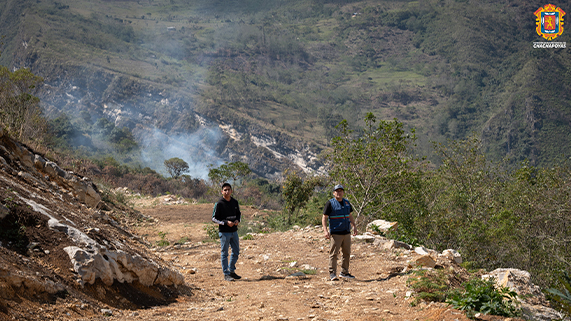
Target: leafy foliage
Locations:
point(428, 285)
point(20, 113)
point(373, 165)
point(163, 239)
point(227, 171)
point(562, 297)
point(497, 216)
point(482, 296)
point(176, 166)
point(297, 192)
point(211, 231)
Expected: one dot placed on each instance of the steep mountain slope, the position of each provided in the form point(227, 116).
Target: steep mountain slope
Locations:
point(64, 250)
point(266, 83)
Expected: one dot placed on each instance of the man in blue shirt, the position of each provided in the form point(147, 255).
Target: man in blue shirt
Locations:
point(338, 212)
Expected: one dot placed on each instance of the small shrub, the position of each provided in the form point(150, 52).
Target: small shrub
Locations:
point(120, 197)
point(183, 240)
point(163, 241)
point(428, 285)
point(395, 235)
point(309, 272)
point(248, 237)
point(408, 239)
point(375, 228)
point(211, 231)
point(482, 296)
point(562, 298)
point(278, 222)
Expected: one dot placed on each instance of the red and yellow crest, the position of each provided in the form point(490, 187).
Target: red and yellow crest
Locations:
point(549, 21)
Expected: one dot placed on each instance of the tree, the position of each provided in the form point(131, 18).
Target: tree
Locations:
point(297, 192)
point(20, 113)
point(176, 166)
point(373, 166)
point(227, 171)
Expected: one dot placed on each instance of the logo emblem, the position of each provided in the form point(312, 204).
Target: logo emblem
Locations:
point(549, 21)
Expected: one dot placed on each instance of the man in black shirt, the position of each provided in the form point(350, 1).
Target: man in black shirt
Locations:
point(227, 215)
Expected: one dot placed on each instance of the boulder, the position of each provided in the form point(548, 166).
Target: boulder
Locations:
point(424, 251)
point(17, 279)
point(424, 261)
point(380, 241)
point(366, 238)
point(533, 301)
point(169, 277)
point(514, 279)
point(121, 266)
point(4, 211)
point(392, 244)
point(54, 170)
point(84, 191)
point(382, 226)
point(39, 162)
point(24, 155)
point(452, 255)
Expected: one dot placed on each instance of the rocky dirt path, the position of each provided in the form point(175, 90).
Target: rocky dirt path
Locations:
point(267, 290)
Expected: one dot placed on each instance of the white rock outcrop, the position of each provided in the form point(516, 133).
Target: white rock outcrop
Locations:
point(80, 187)
point(121, 266)
point(382, 226)
point(533, 302)
point(365, 237)
point(452, 255)
point(10, 280)
point(91, 260)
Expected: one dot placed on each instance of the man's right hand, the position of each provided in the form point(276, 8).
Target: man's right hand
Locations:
point(327, 235)
point(230, 223)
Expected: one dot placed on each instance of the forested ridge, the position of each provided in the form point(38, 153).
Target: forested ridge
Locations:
point(446, 68)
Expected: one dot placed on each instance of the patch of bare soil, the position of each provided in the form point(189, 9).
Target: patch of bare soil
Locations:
point(267, 290)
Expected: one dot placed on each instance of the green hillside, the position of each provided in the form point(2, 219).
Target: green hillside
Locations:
point(446, 68)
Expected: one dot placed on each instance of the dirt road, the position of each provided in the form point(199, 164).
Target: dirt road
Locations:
point(267, 290)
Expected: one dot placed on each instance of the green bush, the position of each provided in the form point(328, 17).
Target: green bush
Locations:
point(428, 285)
point(211, 231)
point(562, 299)
point(482, 296)
point(163, 241)
point(248, 237)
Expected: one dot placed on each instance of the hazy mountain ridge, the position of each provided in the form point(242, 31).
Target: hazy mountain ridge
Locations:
point(296, 69)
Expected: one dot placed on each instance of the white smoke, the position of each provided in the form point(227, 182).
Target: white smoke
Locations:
point(197, 149)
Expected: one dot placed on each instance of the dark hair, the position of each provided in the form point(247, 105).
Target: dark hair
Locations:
point(226, 184)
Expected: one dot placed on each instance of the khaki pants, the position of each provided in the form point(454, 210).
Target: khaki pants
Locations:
point(338, 242)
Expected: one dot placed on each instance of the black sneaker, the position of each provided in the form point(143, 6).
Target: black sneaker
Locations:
point(346, 275)
point(228, 278)
point(333, 277)
point(234, 275)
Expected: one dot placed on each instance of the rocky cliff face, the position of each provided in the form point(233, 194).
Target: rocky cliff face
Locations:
point(164, 118)
point(60, 241)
